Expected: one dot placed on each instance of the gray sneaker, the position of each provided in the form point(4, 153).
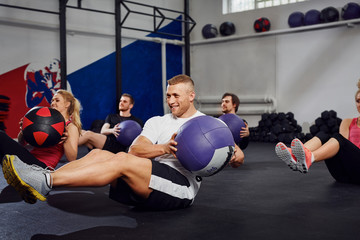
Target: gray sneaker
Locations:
point(28, 180)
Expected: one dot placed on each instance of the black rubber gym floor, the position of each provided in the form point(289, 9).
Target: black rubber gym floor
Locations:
point(263, 199)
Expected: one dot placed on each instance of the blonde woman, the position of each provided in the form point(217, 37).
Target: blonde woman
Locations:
point(340, 151)
point(69, 107)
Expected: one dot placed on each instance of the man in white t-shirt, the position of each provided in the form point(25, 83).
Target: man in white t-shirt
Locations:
point(148, 176)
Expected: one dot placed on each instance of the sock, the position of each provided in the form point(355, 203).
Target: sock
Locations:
point(48, 180)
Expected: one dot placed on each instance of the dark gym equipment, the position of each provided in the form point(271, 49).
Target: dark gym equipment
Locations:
point(350, 11)
point(329, 14)
point(227, 28)
point(43, 126)
point(328, 122)
point(262, 24)
point(296, 19)
point(209, 31)
point(312, 17)
point(276, 127)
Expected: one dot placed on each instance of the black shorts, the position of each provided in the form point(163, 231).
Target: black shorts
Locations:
point(112, 145)
point(158, 200)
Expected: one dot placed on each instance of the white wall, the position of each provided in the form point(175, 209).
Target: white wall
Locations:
point(307, 72)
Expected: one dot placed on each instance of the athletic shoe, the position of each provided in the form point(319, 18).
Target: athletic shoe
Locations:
point(285, 154)
point(28, 180)
point(303, 155)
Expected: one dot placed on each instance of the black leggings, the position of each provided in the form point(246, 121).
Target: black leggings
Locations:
point(10, 146)
point(345, 165)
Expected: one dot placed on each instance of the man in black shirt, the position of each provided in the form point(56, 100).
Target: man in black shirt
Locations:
point(106, 139)
point(230, 104)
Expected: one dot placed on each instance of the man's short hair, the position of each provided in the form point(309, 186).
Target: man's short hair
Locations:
point(182, 78)
point(132, 101)
point(234, 98)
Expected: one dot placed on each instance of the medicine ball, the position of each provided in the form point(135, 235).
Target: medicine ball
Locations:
point(329, 14)
point(204, 145)
point(227, 29)
point(262, 24)
point(43, 126)
point(235, 124)
point(129, 130)
point(296, 19)
point(350, 11)
point(209, 31)
point(312, 17)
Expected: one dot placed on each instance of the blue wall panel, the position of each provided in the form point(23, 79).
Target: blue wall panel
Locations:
point(95, 84)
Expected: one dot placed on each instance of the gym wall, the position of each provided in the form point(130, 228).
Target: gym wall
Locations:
point(307, 72)
point(30, 41)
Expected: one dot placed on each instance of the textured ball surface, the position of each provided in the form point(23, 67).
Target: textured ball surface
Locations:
point(129, 130)
point(235, 124)
point(227, 28)
point(312, 17)
point(209, 31)
point(205, 145)
point(296, 19)
point(350, 11)
point(329, 14)
point(43, 126)
point(262, 24)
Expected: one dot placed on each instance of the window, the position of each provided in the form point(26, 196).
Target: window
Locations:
point(230, 6)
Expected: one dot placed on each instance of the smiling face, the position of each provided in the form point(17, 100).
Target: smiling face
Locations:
point(180, 98)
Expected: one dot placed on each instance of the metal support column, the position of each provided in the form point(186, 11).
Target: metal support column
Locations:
point(63, 61)
point(118, 48)
point(187, 38)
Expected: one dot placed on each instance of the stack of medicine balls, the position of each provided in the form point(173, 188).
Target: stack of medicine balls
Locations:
point(327, 15)
point(276, 127)
point(328, 123)
point(283, 127)
point(330, 14)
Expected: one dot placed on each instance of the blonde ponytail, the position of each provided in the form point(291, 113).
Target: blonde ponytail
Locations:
point(74, 108)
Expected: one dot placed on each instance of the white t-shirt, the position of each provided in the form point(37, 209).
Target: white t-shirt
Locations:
point(159, 130)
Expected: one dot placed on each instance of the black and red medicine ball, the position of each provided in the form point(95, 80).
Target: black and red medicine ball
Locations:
point(43, 126)
point(262, 24)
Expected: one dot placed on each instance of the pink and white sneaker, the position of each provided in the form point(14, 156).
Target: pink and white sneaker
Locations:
point(286, 155)
point(303, 155)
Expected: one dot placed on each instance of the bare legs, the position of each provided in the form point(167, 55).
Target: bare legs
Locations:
point(322, 152)
point(100, 168)
point(92, 139)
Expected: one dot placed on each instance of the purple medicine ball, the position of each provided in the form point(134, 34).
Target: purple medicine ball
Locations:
point(235, 123)
point(129, 130)
point(205, 145)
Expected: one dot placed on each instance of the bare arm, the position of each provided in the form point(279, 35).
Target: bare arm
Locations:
point(71, 142)
point(344, 127)
point(143, 147)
